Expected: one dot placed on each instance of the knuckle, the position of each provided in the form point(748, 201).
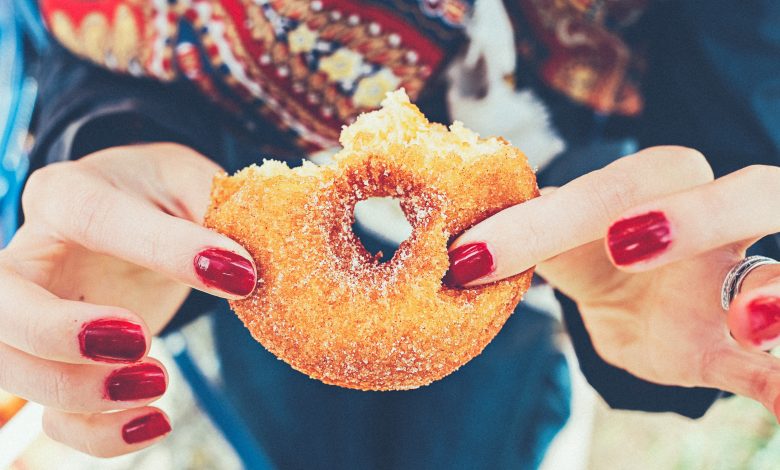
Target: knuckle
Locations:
point(679, 151)
point(158, 247)
point(40, 183)
point(93, 448)
point(609, 200)
point(59, 388)
point(54, 425)
point(763, 176)
point(31, 336)
point(50, 188)
point(682, 160)
point(90, 211)
point(695, 165)
point(759, 383)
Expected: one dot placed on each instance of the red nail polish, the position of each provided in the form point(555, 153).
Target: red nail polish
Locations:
point(145, 428)
point(136, 383)
point(112, 341)
point(638, 238)
point(764, 319)
point(226, 271)
point(468, 263)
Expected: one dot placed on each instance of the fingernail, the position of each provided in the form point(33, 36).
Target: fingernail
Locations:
point(638, 238)
point(145, 428)
point(136, 383)
point(112, 341)
point(764, 320)
point(468, 263)
point(226, 271)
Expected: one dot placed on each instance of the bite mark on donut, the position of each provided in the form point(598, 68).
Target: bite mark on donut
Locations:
point(324, 304)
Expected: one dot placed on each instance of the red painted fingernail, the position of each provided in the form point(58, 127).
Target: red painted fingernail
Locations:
point(764, 320)
point(112, 341)
point(136, 383)
point(145, 428)
point(638, 238)
point(226, 271)
point(469, 262)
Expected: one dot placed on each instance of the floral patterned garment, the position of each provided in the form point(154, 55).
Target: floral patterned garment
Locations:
point(310, 67)
point(577, 48)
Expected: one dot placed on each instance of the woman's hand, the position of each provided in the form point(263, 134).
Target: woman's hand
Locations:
point(643, 246)
point(110, 246)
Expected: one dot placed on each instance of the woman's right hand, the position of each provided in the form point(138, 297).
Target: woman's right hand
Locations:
point(643, 246)
point(110, 246)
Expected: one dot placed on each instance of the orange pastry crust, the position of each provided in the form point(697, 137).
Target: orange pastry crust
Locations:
point(323, 304)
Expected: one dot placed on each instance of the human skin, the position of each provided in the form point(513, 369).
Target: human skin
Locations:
point(643, 246)
point(112, 243)
point(110, 247)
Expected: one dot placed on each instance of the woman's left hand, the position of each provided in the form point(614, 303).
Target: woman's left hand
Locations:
point(643, 246)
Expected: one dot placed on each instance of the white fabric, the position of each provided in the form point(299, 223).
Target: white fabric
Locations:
point(518, 116)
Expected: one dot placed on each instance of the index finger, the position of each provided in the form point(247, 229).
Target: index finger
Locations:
point(91, 212)
point(577, 213)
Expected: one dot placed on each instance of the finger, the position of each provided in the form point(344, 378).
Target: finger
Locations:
point(92, 213)
point(752, 374)
point(175, 177)
point(581, 271)
point(754, 315)
point(737, 207)
point(80, 388)
point(107, 434)
point(519, 237)
point(34, 321)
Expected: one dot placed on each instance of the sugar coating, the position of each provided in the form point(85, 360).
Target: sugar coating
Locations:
point(326, 306)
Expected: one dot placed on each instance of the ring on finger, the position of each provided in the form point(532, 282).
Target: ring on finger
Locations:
point(732, 284)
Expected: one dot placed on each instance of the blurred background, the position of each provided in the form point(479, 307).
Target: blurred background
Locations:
point(735, 434)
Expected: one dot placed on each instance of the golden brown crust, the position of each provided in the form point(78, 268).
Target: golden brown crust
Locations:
point(322, 304)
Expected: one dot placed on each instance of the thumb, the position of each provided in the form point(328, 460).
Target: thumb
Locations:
point(176, 178)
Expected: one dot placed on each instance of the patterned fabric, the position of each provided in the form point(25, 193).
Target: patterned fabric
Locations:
point(576, 48)
point(307, 66)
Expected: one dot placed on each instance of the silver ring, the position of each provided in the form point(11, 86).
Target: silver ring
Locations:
point(732, 284)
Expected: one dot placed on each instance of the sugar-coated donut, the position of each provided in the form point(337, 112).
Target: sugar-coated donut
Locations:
point(326, 306)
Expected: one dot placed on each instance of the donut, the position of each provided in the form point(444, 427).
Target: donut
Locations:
point(328, 307)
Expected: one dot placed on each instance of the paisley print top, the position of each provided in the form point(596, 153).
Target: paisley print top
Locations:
point(310, 67)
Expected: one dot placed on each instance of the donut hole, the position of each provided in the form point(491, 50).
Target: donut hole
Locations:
point(381, 226)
